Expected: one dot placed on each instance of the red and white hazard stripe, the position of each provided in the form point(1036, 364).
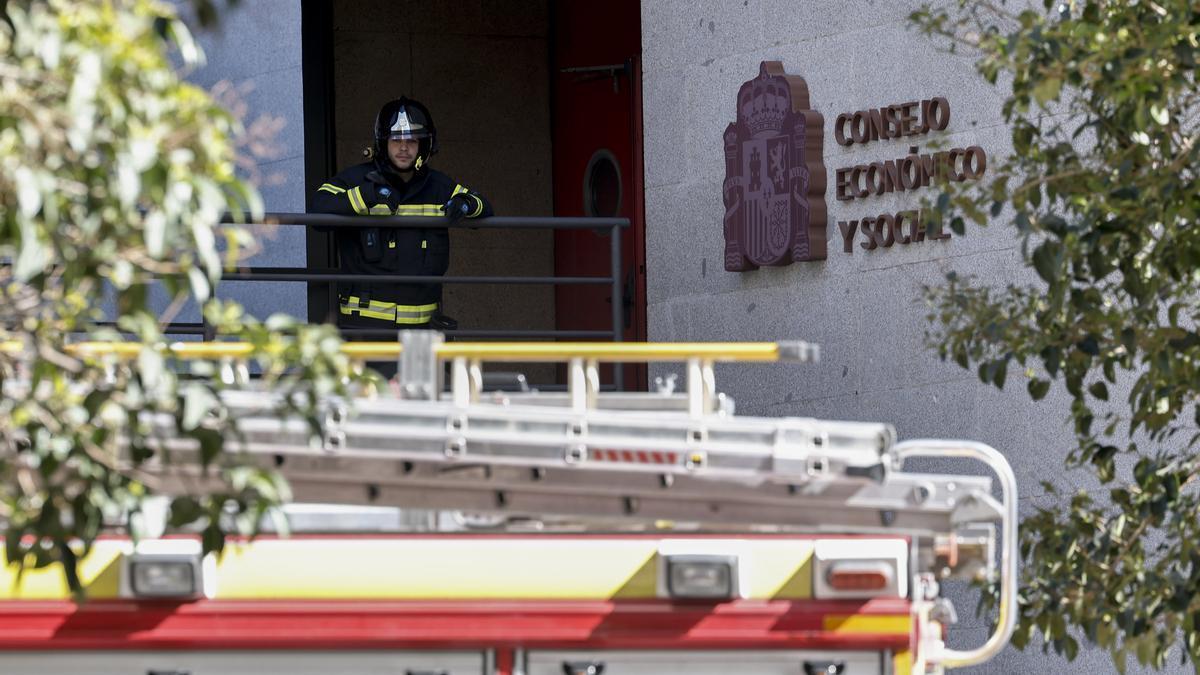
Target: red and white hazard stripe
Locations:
point(634, 456)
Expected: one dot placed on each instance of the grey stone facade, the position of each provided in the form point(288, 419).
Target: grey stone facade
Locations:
point(863, 308)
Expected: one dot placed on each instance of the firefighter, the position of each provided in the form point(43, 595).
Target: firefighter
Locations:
point(396, 181)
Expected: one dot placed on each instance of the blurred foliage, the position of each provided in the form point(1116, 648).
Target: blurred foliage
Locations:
point(114, 176)
point(1102, 191)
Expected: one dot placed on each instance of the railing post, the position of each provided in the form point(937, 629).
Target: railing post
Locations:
point(618, 304)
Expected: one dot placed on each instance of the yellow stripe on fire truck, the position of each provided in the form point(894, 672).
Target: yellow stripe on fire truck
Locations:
point(459, 567)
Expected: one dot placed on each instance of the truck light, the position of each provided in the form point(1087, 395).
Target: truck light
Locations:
point(163, 569)
point(860, 568)
point(163, 578)
point(702, 569)
point(702, 579)
point(860, 575)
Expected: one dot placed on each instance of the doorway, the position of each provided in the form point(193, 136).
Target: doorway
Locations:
point(597, 132)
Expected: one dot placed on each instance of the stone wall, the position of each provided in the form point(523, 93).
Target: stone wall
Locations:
point(863, 308)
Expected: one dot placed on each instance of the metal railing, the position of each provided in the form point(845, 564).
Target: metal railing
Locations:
point(328, 222)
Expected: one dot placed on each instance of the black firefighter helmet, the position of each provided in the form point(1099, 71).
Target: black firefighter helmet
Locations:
point(405, 118)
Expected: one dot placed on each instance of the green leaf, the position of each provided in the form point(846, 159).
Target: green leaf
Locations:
point(185, 511)
point(1047, 89)
point(1089, 345)
point(211, 443)
point(1070, 647)
point(1038, 389)
point(1099, 390)
point(999, 373)
point(1046, 260)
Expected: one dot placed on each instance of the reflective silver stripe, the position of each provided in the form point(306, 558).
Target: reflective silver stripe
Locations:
point(356, 201)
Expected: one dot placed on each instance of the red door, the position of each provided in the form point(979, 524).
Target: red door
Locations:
point(597, 120)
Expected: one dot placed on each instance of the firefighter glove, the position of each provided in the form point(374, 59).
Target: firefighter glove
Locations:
point(461, 206)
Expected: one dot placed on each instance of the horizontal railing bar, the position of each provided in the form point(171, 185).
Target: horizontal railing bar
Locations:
point(483, 333)
point(192, 328)
point(180, 328)
point(439, 222)
point(408, 278)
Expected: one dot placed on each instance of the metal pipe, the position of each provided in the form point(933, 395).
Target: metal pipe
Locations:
point(184, 328)
point(618, 305)
point(1007, 621)
point(266, 275)
point(326, 220)
point(510, 334)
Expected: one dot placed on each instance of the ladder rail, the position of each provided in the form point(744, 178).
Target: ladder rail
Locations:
point(755, 471)
point(579, 458)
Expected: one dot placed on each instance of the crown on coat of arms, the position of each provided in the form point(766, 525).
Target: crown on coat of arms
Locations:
point(765, 106)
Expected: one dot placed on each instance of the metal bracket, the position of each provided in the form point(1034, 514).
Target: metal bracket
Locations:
point(583, 384)
point(701, 387)
point(420, 371)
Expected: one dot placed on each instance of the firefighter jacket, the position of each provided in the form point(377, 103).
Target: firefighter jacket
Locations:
point(365, 190)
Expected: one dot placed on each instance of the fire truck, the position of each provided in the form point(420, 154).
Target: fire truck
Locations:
point(577, 532)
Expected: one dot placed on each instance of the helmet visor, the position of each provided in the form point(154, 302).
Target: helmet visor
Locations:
point(405, 126)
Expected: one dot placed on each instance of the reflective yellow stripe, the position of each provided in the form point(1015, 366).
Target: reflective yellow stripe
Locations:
point(449, 568)
point(371, 314)
point(381, 210)
point(330, 188)
point(390, 311)
point(356, 201)
point(99, 572)
point(429, 568)
point(860, 624)
point(458, 190)
point(424, 244)
point(419, 210)
point(478, 207)
point(376, 304)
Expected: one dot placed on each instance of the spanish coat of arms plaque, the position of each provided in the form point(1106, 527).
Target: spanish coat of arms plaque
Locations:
point(774, 187)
